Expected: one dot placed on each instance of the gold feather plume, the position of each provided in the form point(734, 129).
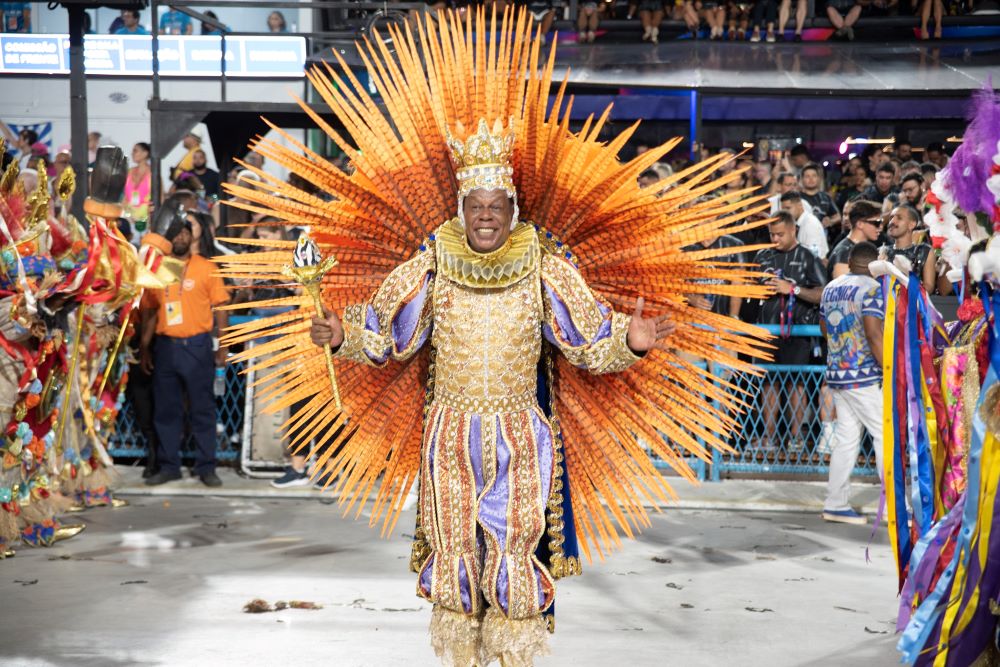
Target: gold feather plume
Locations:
point(627, 242)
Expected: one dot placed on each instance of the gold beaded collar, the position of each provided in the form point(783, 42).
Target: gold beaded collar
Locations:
point(501, 268)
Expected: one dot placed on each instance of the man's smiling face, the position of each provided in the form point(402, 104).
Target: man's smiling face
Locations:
point(488, 214)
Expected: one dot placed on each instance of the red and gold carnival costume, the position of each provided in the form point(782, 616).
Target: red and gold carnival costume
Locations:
point(501, 380)
point(63, 321)
point(33, 364)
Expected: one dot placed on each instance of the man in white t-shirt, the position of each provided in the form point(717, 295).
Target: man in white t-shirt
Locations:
point(811, 233)
point(852, 310)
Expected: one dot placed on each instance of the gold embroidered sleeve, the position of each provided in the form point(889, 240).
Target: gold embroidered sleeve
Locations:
point(588, 332)
point(396, 321)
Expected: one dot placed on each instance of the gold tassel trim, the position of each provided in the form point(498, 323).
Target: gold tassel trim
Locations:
point(455, 638)
point(514, 642)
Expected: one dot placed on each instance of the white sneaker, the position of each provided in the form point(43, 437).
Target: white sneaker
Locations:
point(844, 516)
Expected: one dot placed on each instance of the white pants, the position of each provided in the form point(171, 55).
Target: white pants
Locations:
point(855, 408)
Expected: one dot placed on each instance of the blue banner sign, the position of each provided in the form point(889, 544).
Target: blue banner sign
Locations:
point(132, 55)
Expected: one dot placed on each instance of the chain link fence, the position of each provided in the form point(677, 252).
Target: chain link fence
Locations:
point(780, 431)
point(129, 441)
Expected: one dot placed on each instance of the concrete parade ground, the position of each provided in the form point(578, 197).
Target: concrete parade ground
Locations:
point(164, 582)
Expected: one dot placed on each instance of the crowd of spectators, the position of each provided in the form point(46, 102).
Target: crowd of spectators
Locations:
point(16, 18)
point(878, 196)
point(818, 217)
point(819, 199)
point(734, 20)
point(738, 20)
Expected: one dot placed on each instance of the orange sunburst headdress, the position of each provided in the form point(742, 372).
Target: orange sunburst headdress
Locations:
point(626, 241)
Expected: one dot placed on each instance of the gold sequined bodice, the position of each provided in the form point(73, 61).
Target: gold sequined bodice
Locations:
point(488, 343)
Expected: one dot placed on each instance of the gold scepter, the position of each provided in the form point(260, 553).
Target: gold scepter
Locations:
point(308, 268)
point(113, 355)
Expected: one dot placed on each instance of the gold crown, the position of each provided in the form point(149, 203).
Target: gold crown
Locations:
point(482, 161)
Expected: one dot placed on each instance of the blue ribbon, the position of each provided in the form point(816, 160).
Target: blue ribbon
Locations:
point(899, 487)
point(922, 467)
point(925, 307)
point(986, 295)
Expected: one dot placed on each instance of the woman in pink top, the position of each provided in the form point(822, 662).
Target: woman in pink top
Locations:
point(138, 187)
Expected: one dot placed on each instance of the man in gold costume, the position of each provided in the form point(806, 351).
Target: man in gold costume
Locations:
point(483, 292)
point(486, 359)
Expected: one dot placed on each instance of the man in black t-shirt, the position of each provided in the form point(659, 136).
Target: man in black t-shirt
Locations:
point(866, 225)
point(717, 303)
point(903, 222)
point(209, 177)
point(883, 187)
point(822, 203)
point(798, 278)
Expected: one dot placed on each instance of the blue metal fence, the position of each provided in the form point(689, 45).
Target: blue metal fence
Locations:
point(764, 443)
point(128, 440)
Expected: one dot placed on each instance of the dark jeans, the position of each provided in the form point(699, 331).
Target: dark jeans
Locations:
point(764, 11)
point(184, 367)
point(139, 392)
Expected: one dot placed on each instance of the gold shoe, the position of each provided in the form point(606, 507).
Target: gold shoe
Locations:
point(68, 530)
point(119, 502)
point(6, 553)
point(76, 507)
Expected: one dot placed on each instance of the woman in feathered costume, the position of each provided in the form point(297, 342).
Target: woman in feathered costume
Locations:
point(105, 285)
point(462, 317)
point(62, 299)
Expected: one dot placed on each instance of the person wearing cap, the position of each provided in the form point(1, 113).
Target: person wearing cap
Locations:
point(192, 142)
point(61, 162)
point(183, 359)
point(39, 160)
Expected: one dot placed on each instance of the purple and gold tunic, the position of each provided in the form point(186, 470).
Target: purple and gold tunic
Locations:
point(487, 459)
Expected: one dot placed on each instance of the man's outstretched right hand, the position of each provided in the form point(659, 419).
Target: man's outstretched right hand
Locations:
point(327, 330)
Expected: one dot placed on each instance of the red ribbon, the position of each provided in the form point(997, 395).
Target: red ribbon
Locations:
point(18, 351)
point(99, 291)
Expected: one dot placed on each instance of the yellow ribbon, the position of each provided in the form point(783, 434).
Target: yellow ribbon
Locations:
point(888, 418)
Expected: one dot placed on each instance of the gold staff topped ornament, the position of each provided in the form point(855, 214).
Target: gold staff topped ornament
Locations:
point(308, 268)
